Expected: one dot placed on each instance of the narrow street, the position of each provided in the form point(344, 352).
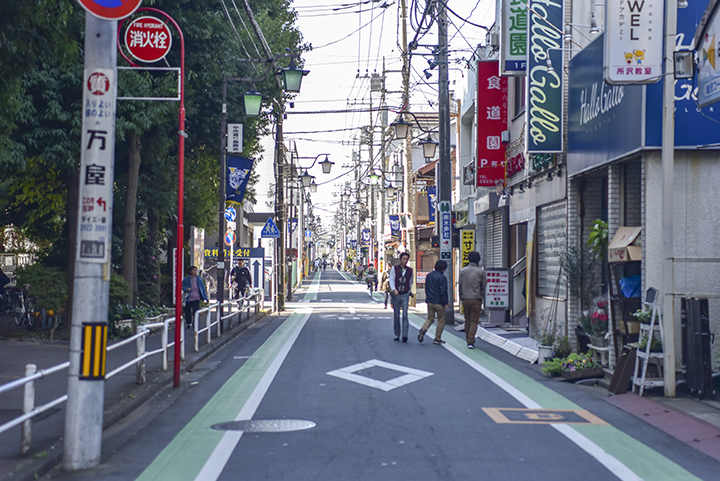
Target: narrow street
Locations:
point(324, 393)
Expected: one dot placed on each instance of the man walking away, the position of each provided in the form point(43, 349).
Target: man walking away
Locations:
point(401, 278)
point(194, 287)
point(471, 285)
point(243, 279)
point(436, 297)
point(385, 284)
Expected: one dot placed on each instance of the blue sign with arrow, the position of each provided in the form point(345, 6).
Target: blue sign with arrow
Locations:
point(270, 230)
point(230, 214)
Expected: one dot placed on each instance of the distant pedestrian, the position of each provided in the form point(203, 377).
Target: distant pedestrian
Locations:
point(401, 279)
point(324, 264)
point(471, 286)
point(243, 279)
point(194, 288)
point(385, 284)
point(436, 297)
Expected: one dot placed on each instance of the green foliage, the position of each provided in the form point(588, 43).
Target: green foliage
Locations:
point(598, 238)
point(552, 367)
point(582, 273)
point(139, 313)
point(645, 316)
point(572, 362)
point(48, 285)
point(119, 290)
point(562, 347)
point(655, 345)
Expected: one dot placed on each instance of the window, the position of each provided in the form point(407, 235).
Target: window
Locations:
point(552, 234)
point(519, 93)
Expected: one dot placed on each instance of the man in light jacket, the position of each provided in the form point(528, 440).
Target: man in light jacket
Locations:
point(436, 296)
point(471, 286)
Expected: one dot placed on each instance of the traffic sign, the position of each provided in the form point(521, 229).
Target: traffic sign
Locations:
point(230, 237)
point(270, 230)
point(230, 214)
point(148, 39)
point(110, 9)
point(231, 225)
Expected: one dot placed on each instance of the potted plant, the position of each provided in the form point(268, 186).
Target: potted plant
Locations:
point(545, 337)
point(580, 366)
point(599, 322)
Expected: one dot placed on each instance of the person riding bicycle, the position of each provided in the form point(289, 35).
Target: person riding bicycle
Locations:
point(242, 277)
point(371, 278)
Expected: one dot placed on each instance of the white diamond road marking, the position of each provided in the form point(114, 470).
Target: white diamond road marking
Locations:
point(412, 375)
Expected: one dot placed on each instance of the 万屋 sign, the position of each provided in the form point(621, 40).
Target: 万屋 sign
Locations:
point(633, 41)
point(96, 166)
point(148, 39)
point(492, 105)
point(544, 105)
point(513, 38)
point(110, 9)
point(497, 289)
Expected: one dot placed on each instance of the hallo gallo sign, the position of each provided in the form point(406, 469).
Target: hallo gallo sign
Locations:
point(633, 41)
point(545, 103)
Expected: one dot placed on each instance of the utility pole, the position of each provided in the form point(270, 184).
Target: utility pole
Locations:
point(409, 185)
point(86, 374)
point(445, 166)
point(279, 214)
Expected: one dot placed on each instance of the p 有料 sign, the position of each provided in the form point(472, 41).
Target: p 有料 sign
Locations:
point(148, 39)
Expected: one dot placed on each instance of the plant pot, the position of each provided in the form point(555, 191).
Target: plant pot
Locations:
point(544, 353)
point(598, 341)
point(582, 374)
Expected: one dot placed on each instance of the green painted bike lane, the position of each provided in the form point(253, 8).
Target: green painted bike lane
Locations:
point(186, 455)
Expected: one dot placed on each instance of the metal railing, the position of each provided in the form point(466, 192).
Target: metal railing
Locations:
point(254, 300)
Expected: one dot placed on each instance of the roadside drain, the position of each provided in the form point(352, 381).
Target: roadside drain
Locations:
point(266, 425)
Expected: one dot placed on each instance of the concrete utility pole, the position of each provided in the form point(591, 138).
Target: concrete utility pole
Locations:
point(88, 335)
point(445, 166)
point(409, 185)
point(279, 214)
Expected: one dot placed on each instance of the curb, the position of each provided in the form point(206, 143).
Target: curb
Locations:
point(34, 467)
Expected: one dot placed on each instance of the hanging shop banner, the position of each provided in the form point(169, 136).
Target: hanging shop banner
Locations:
point(366, 237)
point(432, 199)
point(492, 105)
point(353, 243)
point(467, 245)
point(708, 73)
point(545, 84)
point(292, 225)
point(633, 41)
point(238, 174)
point(395, 227)
point(513, 38)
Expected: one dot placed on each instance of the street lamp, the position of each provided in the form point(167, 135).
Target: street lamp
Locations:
point(429, 147)
point(253, 102)
point(313, 186)
point(390, 190)
point(374, 178)
point(306, 179)
point(344, 196)
point(326, 165)
point(292, 77)
point(402, 129)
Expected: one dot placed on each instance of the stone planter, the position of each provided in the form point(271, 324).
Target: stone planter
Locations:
point(544, 353)
point(582, 374)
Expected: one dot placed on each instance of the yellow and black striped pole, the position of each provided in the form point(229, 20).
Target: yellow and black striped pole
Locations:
point(94, 351)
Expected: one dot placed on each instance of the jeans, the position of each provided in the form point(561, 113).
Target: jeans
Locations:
point(400, 302)
point(190, 308)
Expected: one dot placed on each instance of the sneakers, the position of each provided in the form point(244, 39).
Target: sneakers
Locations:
point(396, 339)
point(438, 341)
point(404, 339)
point(471, 346)
point(421, 336)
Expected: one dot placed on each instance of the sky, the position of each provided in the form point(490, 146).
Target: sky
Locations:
point(350, 42)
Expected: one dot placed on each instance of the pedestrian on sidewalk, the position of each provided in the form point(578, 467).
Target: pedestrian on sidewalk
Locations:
point(436, 297)
point(385, 284)
point(401, 279)
point(243, 279)
point(471, 287)
point(194, 288)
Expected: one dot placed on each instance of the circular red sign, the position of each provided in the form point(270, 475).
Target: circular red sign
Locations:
point(110, 9)
point(148, 39)
point(98, 83)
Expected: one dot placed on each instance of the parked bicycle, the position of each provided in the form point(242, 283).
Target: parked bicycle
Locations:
point(22, 307)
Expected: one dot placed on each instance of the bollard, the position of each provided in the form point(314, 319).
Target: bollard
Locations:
point(140, 352)
point(28, 406)
point(165, 345)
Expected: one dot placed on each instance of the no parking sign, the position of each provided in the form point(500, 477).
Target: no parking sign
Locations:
point(110, 9)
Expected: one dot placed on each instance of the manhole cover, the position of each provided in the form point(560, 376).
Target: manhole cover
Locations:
point(266, 425)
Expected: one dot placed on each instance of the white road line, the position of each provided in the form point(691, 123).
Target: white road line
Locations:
point(218, 459)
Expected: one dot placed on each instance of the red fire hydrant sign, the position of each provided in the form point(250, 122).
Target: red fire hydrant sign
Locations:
point(148, 39)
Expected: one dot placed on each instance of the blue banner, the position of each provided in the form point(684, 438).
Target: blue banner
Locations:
point(292, 225)
point(432, 199)
point(366, 237)
point(353, 243)
point(237, 176)
point(395, 227)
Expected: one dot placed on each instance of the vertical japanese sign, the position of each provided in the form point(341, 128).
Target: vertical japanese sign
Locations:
point(492, 102)
point(235, 138)
point(467, 245)
point(445, 230)
point(513, 38)
point(97, 150)
point(633, 41)
point(545, 86)
point(497, 289)
point(432, 200)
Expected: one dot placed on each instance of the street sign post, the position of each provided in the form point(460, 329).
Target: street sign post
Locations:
point(110, 10)
point(230, 214)
point(230, 237)
point(270, 230)
point(445, 231)
point(148, 39)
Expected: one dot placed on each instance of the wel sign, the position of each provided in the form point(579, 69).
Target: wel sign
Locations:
point(633, 41)
point(545, 88)
point(148, 39)
point(492, 105)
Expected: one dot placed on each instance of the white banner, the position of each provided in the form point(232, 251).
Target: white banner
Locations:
point(235, 138)
point(96, 166)
point(633, 41)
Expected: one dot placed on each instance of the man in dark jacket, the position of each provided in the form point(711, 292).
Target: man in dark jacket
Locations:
point(436, 296)
point(243, 280)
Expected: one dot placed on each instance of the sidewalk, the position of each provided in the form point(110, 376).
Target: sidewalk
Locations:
point(122, 394)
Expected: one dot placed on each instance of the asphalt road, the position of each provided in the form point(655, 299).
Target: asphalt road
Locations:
point(331, 396)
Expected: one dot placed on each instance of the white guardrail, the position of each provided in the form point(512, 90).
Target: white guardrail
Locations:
point(254, 299)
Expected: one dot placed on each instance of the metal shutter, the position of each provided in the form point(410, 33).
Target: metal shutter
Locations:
point(493, 239)
point(552, 233)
